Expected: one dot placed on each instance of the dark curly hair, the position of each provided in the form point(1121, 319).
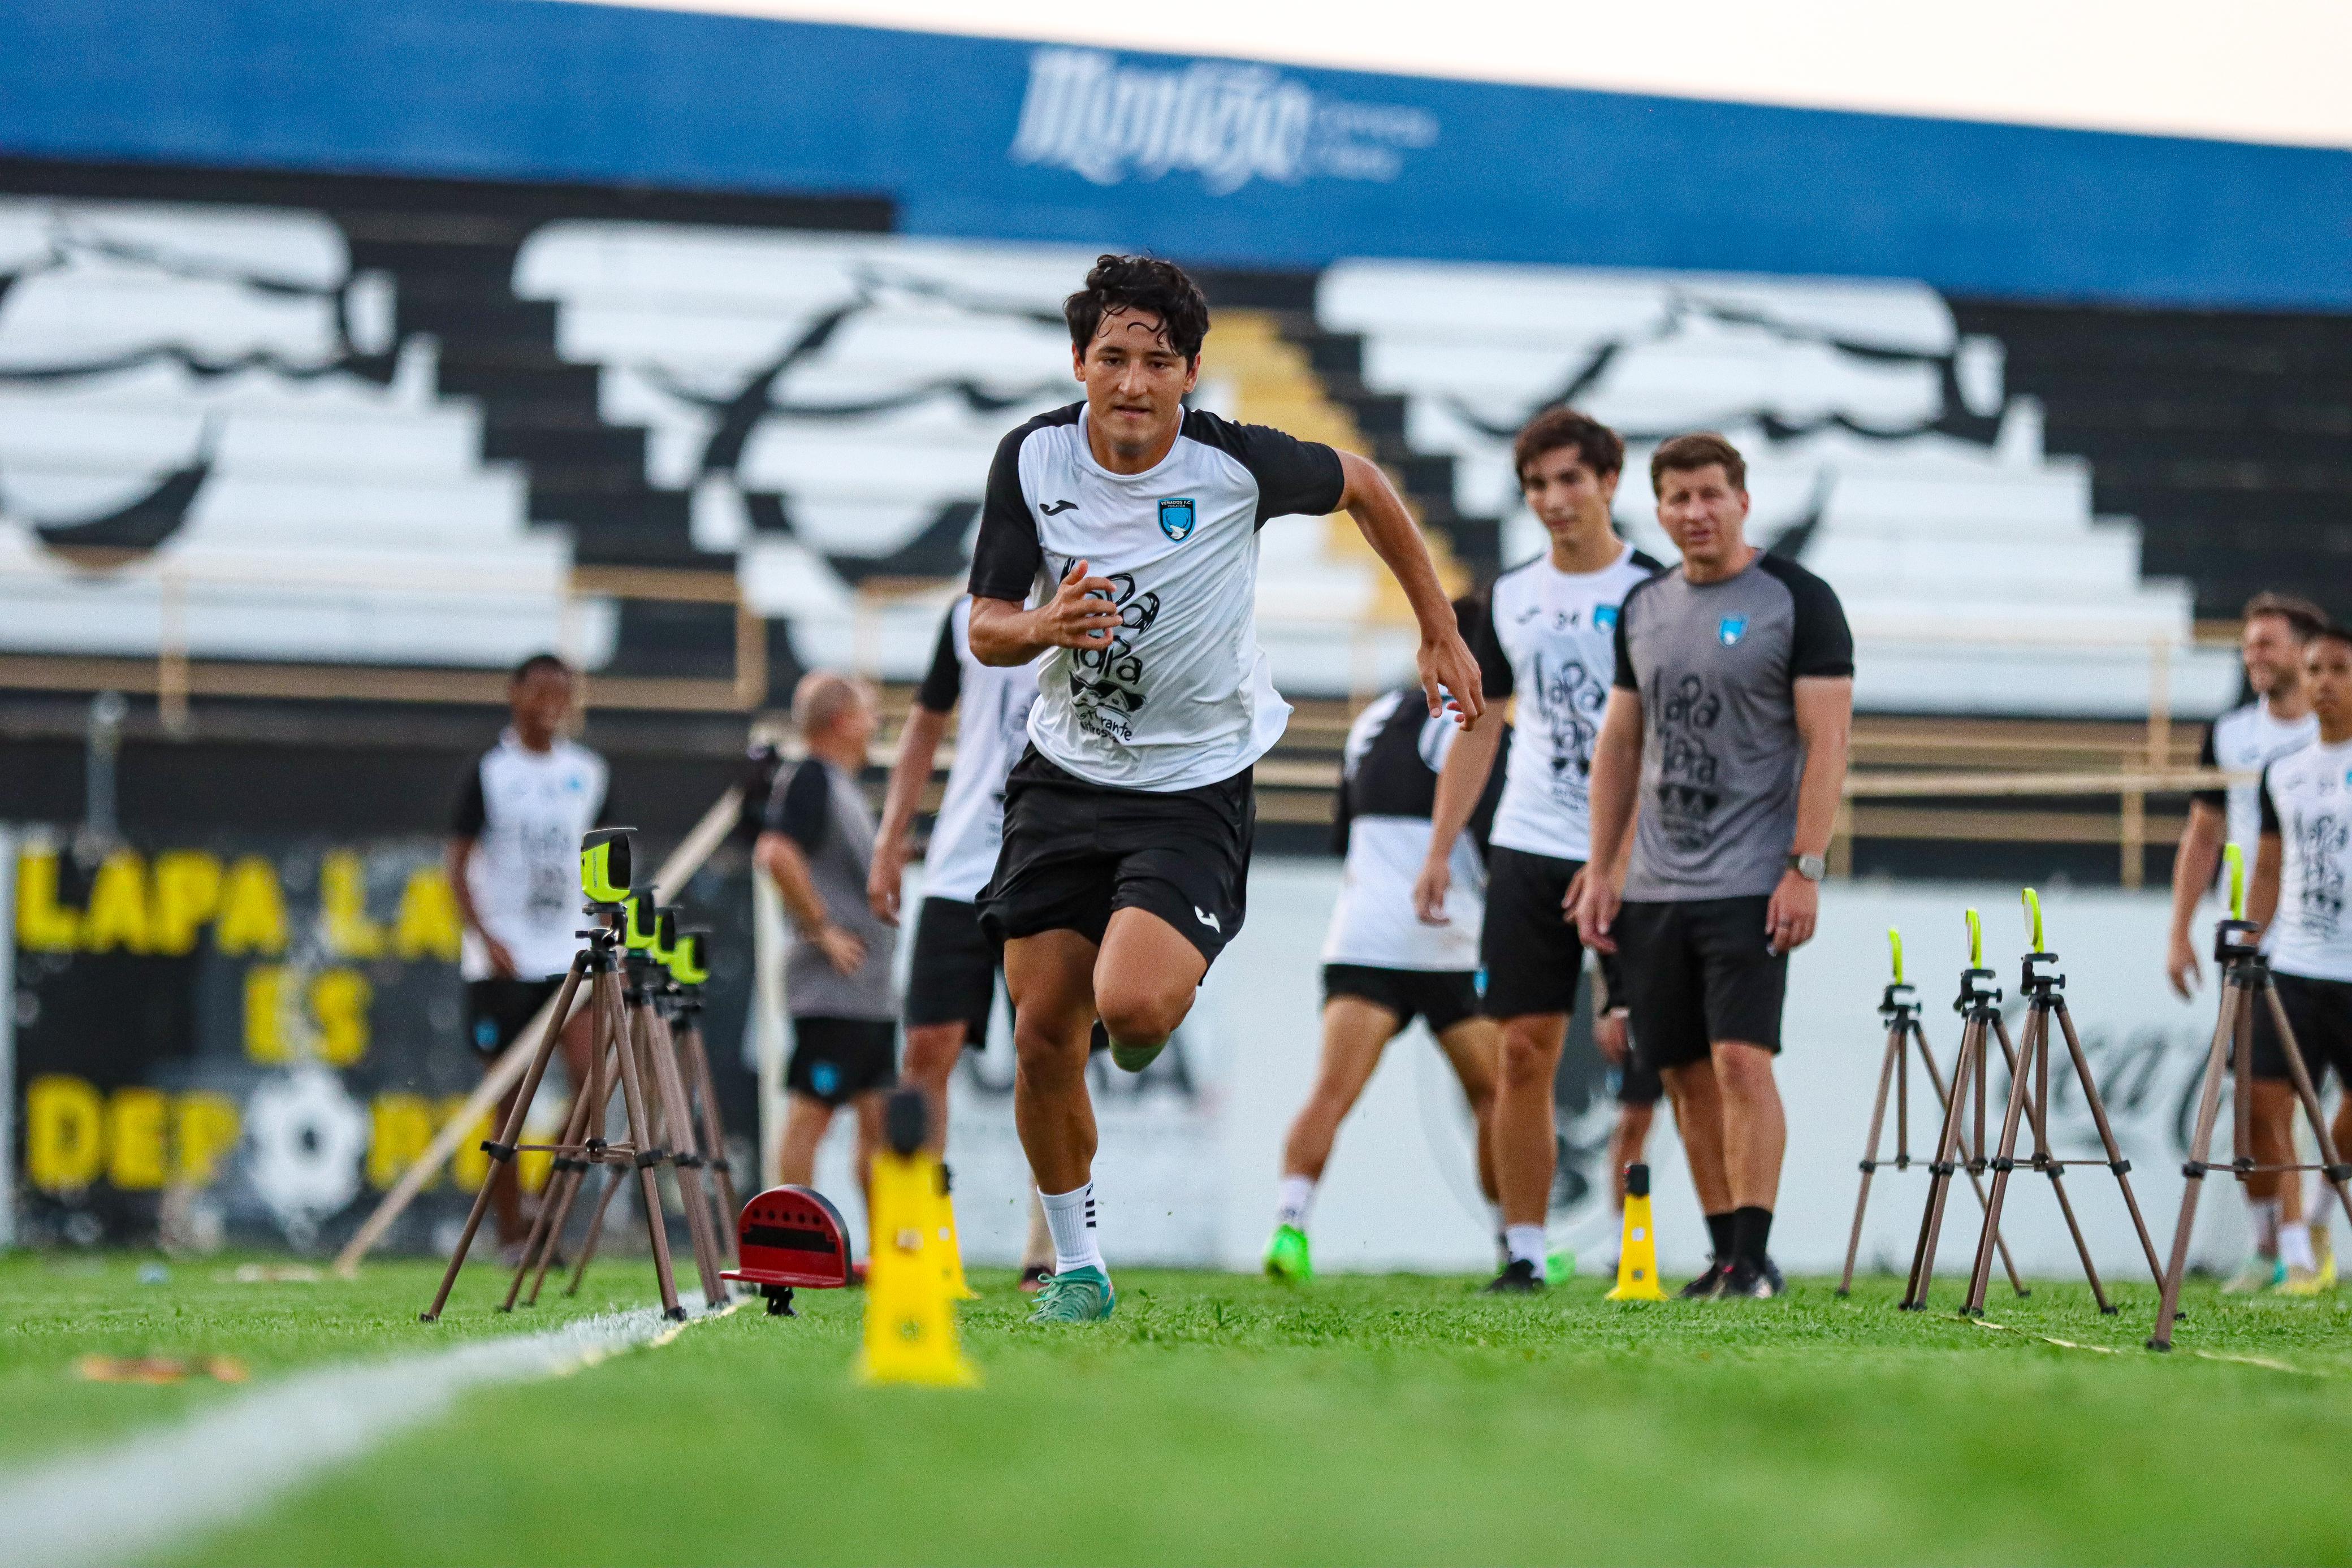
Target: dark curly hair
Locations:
point(1602, 450)
point(1139, 283)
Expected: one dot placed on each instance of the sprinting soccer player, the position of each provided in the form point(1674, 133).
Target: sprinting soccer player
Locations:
point(514, 871)
point(952, 980)
point(1547, 637)
point(1381, 966)
point(1733, 703)
point(2250, 738)
point(2302, 879)
point(819, 849)
point(1133, 523)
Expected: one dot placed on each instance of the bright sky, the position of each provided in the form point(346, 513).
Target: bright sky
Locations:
point(2254, 70)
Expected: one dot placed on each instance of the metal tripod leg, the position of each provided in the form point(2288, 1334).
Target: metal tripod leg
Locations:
point(547, 1224)
point(2234, 1013)
point(686, 1160)
point(1976, 1182)
point(511, 1132)
point(2037, 1115)
point(714, 1137)
point(614, 1181)
point(590, 1118)
point(645, 1155)
point(1947, 1148)
point(1896, 1043)
point(2115, 1161)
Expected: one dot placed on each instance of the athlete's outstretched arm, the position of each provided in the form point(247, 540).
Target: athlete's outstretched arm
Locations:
point(1079, 615)
point(1445, 658)
point(919, 747)
point(1460, 782)
point(1616, 778)
point(2193, 864)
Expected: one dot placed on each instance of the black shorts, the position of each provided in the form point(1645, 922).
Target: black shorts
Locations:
point(498, 1010)
point(1533, 959)
point(952, 977)
point(836, 1060)
point(1443, 998)
point(1697, 972)
point(1074, 852)
point(2320, 1013)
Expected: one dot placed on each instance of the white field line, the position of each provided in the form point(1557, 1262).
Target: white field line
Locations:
point(130, 1498)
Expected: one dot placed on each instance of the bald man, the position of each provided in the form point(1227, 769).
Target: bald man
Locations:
point(819, 848)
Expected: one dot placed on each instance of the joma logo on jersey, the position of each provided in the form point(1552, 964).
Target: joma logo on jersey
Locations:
point(1176, 517)
point(1730, 630)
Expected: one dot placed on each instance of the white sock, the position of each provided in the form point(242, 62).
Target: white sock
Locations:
point(1525, 1243)
point(2265, 1213)
point(2294, 1245)
point(1070, 1216)
point(1037, 1249)
point(1297, 1197)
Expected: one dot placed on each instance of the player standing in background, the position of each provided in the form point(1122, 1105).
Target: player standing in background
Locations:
point(2248, 739)
point(1733, 706)
point(1638, 1090)
point(514, 869)
point(2302, 897)
point(1133, 524)
point(951, 981)
point(1547, 637)
point(1381, 966)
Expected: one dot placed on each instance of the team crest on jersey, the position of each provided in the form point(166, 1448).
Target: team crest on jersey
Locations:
point(1605, 618)
point(1730, 630)
point(1176, 517)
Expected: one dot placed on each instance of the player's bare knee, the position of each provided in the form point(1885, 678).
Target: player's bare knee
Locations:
point(931, 1054)
point(1143, 1015)
point(1046, 1054)
point(1530, 1053)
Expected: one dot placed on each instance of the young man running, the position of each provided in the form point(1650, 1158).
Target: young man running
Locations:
point(1733, 703)
point(2303, 881)
point(1381, 966)
point(1547, 636)
point(1132, 523)
point(2249, 737)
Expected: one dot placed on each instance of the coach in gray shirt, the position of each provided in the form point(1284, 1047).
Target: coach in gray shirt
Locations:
point(818, 847)
point(1733, 699)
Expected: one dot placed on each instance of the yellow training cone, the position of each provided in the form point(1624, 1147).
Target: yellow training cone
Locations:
point(910, 1331)
point(1637, 1262)
point(951, 1249)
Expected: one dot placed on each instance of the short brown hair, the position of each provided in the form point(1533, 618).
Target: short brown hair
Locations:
point(1603, 449)
point(2303, 618)
point(1686, 454)
point(822, 698)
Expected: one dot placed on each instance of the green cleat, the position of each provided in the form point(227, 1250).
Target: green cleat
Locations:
point(2259, 1274)
point(1286, 1256)
point(1080, 1296)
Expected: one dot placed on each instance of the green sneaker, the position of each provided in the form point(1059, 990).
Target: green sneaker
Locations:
point(1080, 1296)
point(1560, 1266)
point(2259, 1274)
point(1286, 1256)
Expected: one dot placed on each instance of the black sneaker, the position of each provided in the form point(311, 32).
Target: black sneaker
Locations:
point(1518, 1277)
point(1759, 1281)
point(1707, 1286)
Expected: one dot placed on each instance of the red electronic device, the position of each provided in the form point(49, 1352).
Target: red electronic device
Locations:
point(788, 1238)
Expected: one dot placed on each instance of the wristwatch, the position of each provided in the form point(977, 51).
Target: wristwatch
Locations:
point(1813, 868)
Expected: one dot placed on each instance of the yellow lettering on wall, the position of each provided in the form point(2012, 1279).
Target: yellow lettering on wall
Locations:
point(342, 908)
point(134, 1139)
point(63, 1147)
point(469, 1166)
point(187, 893)
point(339, 1005)
point(427, 925)
point(118, 907)
point(264, 1024)
point(204, 1128)
point(402, 1126)
point(252, 910)
point(42, 924)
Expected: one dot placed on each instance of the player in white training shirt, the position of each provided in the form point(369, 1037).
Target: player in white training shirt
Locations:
point(1120, 539)
point(2302, 896)
point(1548, 639)
point(2248, 739)
point(1381, 966)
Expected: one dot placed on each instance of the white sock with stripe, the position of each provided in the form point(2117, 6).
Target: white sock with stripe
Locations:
point(1297, 1197)
point(1070, 1216)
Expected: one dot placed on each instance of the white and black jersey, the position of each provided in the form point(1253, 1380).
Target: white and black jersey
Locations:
point(1388, 789)
point(1549, 637)
point(2306, 799)
point(525, 811)
point(995, 703)
point(1182, 696)
point(2247, 740)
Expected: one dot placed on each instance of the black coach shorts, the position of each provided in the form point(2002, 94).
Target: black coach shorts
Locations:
point(498, 1010)
point(2320, 1013)
point(1443, 998)
point(1533, 959)
point(1074, 852)
point(836, 1060)
point(952, 977)
point(1697, 972)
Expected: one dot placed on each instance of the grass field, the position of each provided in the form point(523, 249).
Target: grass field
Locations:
point(1218, 1418)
